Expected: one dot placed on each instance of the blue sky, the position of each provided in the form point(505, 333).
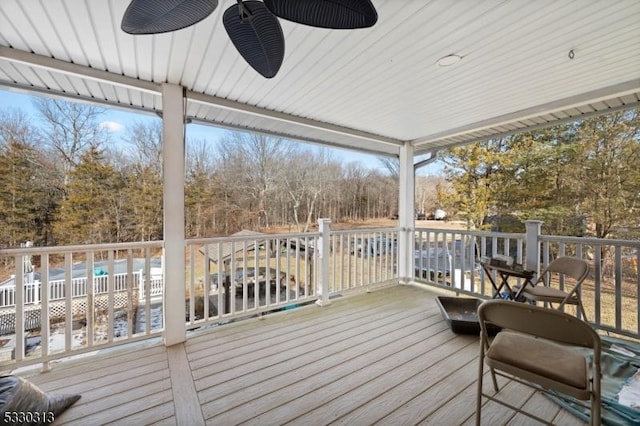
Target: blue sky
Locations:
point(117, 120)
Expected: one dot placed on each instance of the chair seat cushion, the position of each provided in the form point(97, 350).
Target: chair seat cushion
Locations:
point(540, 357)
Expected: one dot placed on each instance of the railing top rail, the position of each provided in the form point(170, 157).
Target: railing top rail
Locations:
point(29, 251)
point(363, 230)
point(474, 232)
point(241, 238)
point(593, 241)
point(549, 238)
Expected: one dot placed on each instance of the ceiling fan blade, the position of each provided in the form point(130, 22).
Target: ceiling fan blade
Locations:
point(257, 35)
point(334, 14)
point(161, 16)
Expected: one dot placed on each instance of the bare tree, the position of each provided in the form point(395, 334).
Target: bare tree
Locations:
point(145, 179)
point(392, 165)
point(199, 190)
point(428, 189)
point(255, 162)
point(70, 128)
point(353, 192)
point(308, 178)
point(145, 144)
point(16, 126)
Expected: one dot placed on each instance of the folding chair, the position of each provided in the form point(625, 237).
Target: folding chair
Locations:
point(563, 267)
point(535, 349)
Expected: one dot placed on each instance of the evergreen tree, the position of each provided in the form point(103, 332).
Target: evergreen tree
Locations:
point(198, 201)
point(89, 214)
point(475, 174)
point(578, 178)
point(144, 189)
point(20, 195)
point(609, 180)
point(536, 180)
point(30, 186)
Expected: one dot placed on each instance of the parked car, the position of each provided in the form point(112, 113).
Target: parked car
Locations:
point(440, 261)
point(374, 246)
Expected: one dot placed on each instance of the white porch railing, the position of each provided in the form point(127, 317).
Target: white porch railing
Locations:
point(611, 292)
point(362, 258)
point(232, 277)
point(251, 274)
point(68, 316)
point(226, 278)
point(449, 259)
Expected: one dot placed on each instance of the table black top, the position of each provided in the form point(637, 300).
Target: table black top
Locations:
point(516, 270)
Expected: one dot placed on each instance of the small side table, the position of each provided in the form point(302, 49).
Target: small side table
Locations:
point(504, 273)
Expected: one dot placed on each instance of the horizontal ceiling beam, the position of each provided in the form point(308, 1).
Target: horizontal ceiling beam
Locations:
point(443, 144)
point(604, 94)
point(315, 141)
point(77, 70)
point(379, 144)
point(255, 111)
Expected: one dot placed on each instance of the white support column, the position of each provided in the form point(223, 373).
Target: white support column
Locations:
point(405, 214)
point(323, 288)
point(533, 230)
point(173, 202)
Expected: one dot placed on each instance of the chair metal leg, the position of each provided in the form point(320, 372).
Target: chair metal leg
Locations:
point(596, 398)
point(495, 381)
point(584, 314)
point(480, 375)
point(594, 417)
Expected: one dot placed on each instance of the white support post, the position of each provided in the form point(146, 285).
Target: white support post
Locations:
point(173, 203)
point(533, 230)
point(323, 289)
point(406, 214)
point(19, 349)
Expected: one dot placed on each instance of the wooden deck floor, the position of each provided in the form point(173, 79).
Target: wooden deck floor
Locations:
point(385, 357)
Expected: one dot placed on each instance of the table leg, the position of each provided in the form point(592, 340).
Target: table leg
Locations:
point(496, 289)
point(505, 283)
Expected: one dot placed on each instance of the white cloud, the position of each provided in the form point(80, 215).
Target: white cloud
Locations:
point(112, 126)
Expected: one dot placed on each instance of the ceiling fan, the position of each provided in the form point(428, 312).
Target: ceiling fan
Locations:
point(252, 25)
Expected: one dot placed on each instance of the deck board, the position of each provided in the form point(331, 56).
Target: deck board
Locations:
point(379, 395)
point(416, 397)
point(385, 357)
point(188, 411)
point(301, 357)
point(333, 375)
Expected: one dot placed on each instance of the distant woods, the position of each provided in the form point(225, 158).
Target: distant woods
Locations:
point(66, 180)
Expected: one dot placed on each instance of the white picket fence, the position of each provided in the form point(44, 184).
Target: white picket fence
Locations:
point(33, 290)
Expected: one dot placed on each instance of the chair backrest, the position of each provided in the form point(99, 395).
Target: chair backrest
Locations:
point(577, 269)
point(539, 321)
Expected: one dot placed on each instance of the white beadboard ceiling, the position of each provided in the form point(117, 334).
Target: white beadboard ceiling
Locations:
point(368, 89)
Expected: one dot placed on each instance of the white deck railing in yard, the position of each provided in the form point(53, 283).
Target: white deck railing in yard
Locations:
point(448, 259)
point(33, 290)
